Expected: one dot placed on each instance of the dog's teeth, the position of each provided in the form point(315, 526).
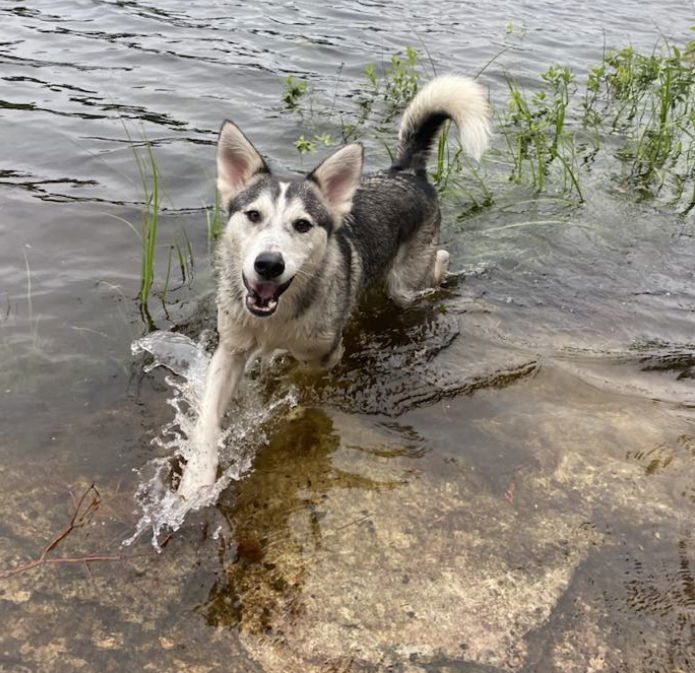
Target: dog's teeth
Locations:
point(272, 304)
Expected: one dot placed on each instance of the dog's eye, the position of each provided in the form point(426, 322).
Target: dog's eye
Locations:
point(253, 216)
point(302, 225)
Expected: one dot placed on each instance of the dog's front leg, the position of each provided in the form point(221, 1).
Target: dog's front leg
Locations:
point(224, 373)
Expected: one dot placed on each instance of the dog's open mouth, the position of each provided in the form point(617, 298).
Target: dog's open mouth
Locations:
point(262, 298)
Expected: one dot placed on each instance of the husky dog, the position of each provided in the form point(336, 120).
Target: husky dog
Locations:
point(296, 254)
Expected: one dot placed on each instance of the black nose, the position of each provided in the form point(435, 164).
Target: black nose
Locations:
point(269, 265)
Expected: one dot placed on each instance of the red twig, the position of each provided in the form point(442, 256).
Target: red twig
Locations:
point(79, 517)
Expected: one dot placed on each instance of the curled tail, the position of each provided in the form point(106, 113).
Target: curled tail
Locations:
point(454, 97)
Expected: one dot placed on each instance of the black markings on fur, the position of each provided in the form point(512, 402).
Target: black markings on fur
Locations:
point(346, 253)
point(387, 210)
point(304, 191)
point(414, 148)
point(249, 195)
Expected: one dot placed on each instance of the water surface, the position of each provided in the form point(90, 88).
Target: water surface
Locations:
point(499, 479)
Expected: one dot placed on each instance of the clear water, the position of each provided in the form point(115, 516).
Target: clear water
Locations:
point(500, 479)
point(162, 510)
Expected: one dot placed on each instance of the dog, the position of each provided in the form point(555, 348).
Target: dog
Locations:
point(296, 254)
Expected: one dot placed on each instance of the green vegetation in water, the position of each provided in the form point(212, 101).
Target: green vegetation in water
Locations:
point(293, 92)
point(641, 106)
point(537, 134)
point(180, 252)
point(634, 108)
point(149, 179)
point(652, 104)
point(552, 136)
point(382, 97)
point(214, 218)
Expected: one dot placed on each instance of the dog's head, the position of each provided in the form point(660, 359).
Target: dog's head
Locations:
point(279, 230)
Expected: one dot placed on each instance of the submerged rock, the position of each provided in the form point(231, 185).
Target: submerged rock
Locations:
point(366, 559)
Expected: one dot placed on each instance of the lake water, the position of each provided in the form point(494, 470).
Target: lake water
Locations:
point(499, 479)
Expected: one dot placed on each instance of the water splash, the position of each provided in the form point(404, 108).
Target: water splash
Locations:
point(162, 509)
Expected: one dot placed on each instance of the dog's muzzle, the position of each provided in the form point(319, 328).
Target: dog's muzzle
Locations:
point(262, 298)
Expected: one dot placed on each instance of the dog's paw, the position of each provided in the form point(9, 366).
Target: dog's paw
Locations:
point(195, 483)
point(441, 265)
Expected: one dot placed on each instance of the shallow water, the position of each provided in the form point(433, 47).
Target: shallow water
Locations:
point(499, 479)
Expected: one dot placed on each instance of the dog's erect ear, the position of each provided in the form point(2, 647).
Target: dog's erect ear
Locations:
point(338, 177)
point(237, 161)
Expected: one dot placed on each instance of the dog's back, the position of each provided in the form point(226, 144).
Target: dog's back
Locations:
point(387, 210)
point(395, 213)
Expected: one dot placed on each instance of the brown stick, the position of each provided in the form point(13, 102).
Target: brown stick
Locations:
point(78, 519)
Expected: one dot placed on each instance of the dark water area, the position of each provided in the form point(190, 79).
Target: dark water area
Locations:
point(501, 478)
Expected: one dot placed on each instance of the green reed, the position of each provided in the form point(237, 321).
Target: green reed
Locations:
point(214, 219)
point(537, 134)
point(180, 249)
point(149, 177)
point(647, 102)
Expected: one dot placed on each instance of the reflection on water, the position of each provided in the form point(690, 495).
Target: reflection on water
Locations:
point(391, 363)
point(499, 479)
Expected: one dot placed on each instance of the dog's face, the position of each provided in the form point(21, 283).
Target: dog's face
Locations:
point(280, 229)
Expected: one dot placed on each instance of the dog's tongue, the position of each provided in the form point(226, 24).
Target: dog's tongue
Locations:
point(265, 291)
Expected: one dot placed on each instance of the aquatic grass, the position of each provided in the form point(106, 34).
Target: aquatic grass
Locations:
point(180, 253)
point(293, 92)
point(381, 96)
point(39, 345)
point(21, 363)
point(150, 224)
point(148, 233)
point(30, 306)
point(400, 82)
point(214, 220)
point(650, 102)
point(645, 103)
point(446, 162)
point(537, 134)
point(448, 170)
point(33, 322)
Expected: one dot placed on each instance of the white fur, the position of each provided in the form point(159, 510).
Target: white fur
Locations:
point(274, 233)
point(463, 99)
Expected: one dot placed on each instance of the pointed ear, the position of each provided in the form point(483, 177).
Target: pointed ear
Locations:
point(237, 161)
point(338, 177)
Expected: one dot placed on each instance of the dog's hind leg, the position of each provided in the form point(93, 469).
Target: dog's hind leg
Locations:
point(224, 373)
point(441, 266)
point(418, 265)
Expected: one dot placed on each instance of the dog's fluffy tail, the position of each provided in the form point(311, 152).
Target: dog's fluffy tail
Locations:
point(454, 97)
